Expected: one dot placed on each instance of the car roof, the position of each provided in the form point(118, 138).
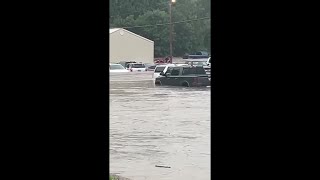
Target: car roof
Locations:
point(165, 65)
point(188, 66)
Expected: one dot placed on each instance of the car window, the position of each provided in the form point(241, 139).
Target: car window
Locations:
point(116, 66)
point(200, 70)
point(159, 69)
point(169, 70)
point(138, 66)
point(175, 71)
point(193, 70)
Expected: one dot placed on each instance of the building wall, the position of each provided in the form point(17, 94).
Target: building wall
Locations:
point(130, 47)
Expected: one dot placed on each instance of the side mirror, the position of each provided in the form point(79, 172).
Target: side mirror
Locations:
point(162, 74)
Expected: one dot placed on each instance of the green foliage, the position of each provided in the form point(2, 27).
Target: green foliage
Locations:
point(187, 37)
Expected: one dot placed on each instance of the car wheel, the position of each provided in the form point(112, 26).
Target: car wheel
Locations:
point(185, 84)
point(157, 82)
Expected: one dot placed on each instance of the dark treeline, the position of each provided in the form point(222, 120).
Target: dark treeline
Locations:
point(188, 36)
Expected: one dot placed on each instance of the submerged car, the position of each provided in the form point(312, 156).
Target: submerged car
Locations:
point(136, 67)
point(117, 68)
point(188, 76)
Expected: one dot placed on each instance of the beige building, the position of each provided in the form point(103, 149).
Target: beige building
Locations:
point(128, 46)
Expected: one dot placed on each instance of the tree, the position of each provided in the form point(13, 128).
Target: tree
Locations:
point(187, 37)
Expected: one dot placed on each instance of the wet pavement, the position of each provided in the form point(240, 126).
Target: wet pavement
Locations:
point(158, 126)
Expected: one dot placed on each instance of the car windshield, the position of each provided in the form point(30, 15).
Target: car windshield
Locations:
point(152, 67)
point(116, 66)
point(138, 65)
point(159, 69)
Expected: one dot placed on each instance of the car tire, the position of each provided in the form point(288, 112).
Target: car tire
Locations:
point(185, 84)
point(157, 83)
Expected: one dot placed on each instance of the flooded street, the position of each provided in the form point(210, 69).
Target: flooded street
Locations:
point(158, 126)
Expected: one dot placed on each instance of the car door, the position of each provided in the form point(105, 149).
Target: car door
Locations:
point(166, 79)
point(174, 78)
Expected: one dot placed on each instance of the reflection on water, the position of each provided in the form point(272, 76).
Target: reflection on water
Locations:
point(152, 125)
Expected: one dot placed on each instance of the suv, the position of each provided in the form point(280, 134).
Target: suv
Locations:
point(136, 67)
point(188, 76)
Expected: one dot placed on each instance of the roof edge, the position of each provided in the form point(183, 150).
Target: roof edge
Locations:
point(131, 33)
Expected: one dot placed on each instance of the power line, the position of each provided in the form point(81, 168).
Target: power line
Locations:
point(177, 22)
point(130, 13)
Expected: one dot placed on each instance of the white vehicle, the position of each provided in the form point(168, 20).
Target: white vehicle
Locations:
point(117, 68)
point(160, 68)
point(136, 67)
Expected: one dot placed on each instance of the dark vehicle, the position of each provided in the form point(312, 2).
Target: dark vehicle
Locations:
point(199, 55)
point(185, 56)
point(188, 76)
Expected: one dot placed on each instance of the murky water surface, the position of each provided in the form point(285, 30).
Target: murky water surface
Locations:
point(152, 125)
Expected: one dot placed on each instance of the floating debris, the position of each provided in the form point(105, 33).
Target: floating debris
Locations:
point(163, 166)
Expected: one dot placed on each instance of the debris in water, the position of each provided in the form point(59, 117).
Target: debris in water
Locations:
point(163, 166)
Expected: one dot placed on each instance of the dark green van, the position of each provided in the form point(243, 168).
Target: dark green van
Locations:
point(189, 76)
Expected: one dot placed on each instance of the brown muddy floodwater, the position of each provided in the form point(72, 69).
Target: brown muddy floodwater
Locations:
point(158, 126)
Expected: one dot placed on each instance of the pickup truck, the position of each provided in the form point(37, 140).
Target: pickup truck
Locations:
point(197, 55)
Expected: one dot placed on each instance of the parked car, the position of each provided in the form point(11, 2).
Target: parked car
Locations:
point(150, 67)
point(185, 56)
point(161, 68)
point(198, 55)
point(125, 63)
point(188, 76)
point(136, 67)
point(117, 68)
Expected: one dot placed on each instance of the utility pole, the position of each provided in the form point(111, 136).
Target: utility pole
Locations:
point(171, 2)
